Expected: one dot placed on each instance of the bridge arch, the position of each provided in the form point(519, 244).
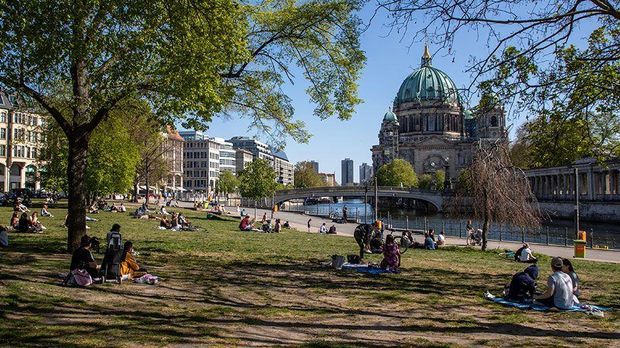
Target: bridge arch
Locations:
point(434, 198)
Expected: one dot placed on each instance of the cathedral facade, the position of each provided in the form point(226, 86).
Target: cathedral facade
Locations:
point(430, 127)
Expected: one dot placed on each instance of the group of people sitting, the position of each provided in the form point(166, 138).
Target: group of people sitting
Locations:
point(176, 222)
point(82, 259)
point(26, 223)
point(324, 230)
point(431, 242)
point(562, 290)
point(266, 225)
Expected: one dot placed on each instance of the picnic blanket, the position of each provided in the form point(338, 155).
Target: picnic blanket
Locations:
point(365, 268)
point(582, 307)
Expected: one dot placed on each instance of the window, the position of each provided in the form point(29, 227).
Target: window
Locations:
point(1, 100)
point(2, 150)
point(2, 133)
point(493, 121)
point(3, 117)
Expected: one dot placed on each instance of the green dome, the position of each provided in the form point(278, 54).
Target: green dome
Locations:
point(390, 117)
point(427, 83)
point(468, 114)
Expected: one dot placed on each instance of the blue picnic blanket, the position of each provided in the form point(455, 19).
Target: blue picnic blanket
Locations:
point(365, 269)
point(582, 307)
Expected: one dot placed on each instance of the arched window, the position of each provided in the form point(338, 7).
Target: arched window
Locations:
point(494, 121)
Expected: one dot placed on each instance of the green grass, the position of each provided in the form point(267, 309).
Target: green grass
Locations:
point(223, 287)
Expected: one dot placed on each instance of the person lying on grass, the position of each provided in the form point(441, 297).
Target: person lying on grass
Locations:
point(129, 266)
point(391, 254)
point(522, 287)
point(559, 291)
point(82, 258)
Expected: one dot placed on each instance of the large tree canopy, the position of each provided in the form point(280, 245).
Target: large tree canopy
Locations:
point(306, 177)
point(189, 59)
point(397, 173)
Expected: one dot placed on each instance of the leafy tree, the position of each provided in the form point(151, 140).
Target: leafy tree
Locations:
point(189, 59)
point(111, 160)
point(227, 183)
point(397, 173)
point(433, 181)
point(306, 177)
point(425, 181)
point(257, 180)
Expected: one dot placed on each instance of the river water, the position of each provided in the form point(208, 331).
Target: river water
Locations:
point(559, 232)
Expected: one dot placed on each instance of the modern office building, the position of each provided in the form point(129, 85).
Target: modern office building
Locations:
point(243, 158)
point(365, 173)
point(202, 163)
point(315, 165)
point(276, 159)
point(347, 172)
point(21, 140)
point(193, 135)
point(329, 179)
point(228, 160)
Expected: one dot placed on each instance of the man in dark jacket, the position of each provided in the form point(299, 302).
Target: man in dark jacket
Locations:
point(523, 285)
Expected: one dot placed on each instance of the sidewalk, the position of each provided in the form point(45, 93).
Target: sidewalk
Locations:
point(298, 221)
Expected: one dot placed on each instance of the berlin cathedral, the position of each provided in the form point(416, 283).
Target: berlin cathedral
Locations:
point(430, 127)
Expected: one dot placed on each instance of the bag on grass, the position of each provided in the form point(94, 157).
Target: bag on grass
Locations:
point(81, 277)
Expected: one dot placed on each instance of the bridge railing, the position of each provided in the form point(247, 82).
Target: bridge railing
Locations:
point(335, 189)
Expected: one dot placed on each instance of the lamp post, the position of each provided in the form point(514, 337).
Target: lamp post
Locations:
point(366, 202)
point(446, 182)
point(376, 198)
point(576, 203)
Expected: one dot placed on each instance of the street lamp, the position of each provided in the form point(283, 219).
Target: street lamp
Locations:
point(446, 183)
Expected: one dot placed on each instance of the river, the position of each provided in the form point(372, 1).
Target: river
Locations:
point(559, 232)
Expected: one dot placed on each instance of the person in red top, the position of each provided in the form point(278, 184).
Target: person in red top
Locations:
point(245, 224)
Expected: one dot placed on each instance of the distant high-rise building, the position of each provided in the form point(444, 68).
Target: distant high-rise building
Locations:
point(347, 172)
point(365, 172)
point(315, 165)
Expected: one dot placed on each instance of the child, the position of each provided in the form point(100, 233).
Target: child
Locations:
point(391, 254)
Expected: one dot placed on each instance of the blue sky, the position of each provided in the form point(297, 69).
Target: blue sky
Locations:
point(389, 61)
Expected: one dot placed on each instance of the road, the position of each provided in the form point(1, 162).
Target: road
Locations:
point(299, 222)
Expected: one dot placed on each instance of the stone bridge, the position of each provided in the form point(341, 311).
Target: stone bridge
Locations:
point(433, 197)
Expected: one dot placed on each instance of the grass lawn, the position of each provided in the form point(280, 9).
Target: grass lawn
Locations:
point(223, 287)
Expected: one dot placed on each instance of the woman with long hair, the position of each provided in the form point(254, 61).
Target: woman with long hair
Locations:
point(129, 266)
point(567, 267)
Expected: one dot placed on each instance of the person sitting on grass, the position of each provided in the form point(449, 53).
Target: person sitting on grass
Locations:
point(82, 258)
point(277, 227)
point(559, 291)
point(162, 211)
point(174, 222)
point(24, 224)
point(20, 207)
point(129, 267)
point(246, 224)
point(429, 243)
point(323, 229)
point(164, 223)
point(391, 254)
point(93, 209)
point(332, 229)
point(286, 224)
point(522, 287)
point(526, 254)
point(567, 267)
point(121, 208)
point(45, 212)
point(441, 238)
point(15, 220)
point(35, 224)
point(376, 243)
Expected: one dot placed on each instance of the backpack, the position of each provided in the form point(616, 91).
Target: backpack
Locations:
point(114, 240)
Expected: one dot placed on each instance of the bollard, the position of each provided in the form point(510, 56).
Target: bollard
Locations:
point(460, 229)
point(547, 235)
point(407, 223)
point(425, 224)
point(500, 232)
point(443, 226)
point(591, 238)
point(565, 236)
point(522, 235)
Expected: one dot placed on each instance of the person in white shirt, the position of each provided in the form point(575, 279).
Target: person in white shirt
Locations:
point(526, 255)
point(559, 291)
point(323, 228)
point(441, 238)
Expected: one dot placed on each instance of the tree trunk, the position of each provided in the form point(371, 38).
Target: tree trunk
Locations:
point(486, 224)
point(146, 197)
point(255, 209)
point(76, 175)
point(135, 192)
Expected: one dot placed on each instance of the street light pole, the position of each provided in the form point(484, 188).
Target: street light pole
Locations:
point(376, 198)
point(576, 203)
point(366, 202)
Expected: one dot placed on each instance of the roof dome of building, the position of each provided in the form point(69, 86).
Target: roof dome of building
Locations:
point(390, 117)
point(427, 83)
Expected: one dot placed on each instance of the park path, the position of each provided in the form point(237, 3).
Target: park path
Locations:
point(299, 221)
